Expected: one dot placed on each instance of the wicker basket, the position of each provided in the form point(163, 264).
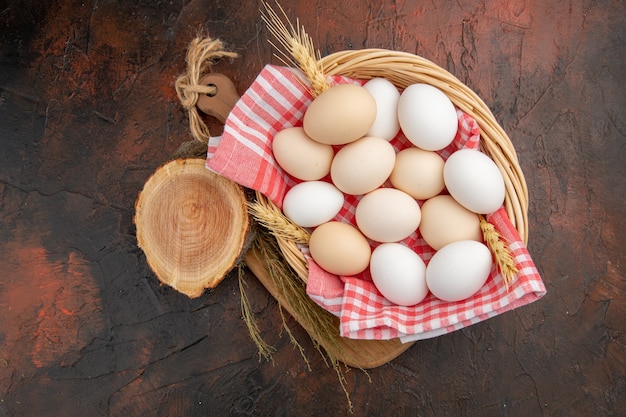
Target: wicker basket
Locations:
point(403, 69)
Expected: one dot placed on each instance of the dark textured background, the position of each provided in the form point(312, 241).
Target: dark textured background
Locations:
point(88, 111)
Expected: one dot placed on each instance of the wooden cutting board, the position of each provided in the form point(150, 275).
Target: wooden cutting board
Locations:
point(365, 354)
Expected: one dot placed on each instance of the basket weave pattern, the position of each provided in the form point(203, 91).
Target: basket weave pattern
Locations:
point(278, 99)
point(404, 69)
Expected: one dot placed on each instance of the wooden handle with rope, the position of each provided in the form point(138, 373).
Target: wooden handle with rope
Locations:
point(193, 224)
point(217, 97)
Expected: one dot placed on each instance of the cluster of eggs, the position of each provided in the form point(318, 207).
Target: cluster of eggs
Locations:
point(343, 148)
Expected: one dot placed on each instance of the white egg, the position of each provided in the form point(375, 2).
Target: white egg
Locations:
point(427, 117)
point(386, 95)
point(399, 274)
point(458, 270)
point(474, 180)
point(311, 203)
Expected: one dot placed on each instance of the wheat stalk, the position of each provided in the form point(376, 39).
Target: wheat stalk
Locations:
point(300, 52)
point(265, 350)
point(293, 292)
point(276, 221)
point(496, 244)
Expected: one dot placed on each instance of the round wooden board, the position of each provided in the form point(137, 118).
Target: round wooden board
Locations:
point(191, 224)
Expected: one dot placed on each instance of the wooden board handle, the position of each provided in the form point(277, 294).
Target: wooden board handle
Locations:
point(220, 103)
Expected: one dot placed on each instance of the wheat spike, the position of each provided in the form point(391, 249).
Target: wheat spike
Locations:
point(495, 242)
point(297, 48)
point(276, 221)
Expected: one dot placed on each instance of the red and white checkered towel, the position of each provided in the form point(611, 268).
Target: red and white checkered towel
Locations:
point(277, 100)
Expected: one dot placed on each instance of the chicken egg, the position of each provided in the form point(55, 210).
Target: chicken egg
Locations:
point(458, 270)
point(387, 215)
point(386, 95)
point(474, 180)
point(311, 203)
point(340, 248)
point(341, 114)
point(418, 173)
point(445, 221)
point(362, 166)
point(300, 156)
point(427, 117)
point(399, 274)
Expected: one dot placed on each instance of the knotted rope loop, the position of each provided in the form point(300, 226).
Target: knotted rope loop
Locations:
point(201, 55)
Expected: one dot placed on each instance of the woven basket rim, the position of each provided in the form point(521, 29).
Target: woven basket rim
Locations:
point(403, 69)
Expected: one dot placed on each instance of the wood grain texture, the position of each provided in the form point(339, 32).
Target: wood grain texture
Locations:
point(88, 111)
point(191, 225)
point(363, 354)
